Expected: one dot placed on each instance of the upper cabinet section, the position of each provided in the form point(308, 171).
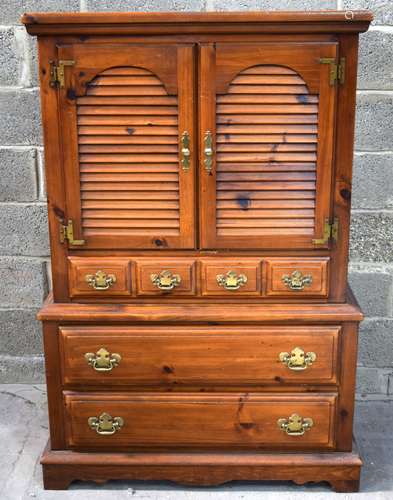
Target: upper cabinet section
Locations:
point(267, 127)
point(126, 117)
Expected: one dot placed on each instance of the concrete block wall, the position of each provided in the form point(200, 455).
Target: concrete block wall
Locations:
point(24, 252)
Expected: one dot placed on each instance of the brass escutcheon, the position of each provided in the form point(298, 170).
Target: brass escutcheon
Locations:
point(105, 424)
point(165, 280)
point(296, 281)
point(297, 359)
point(208, 151)
point(295, 425)
point(102, 360)
point(185, 151)
point(231, 281)
point(100, 280)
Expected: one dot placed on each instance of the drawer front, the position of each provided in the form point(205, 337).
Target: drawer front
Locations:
point(174, 276)
point(140, 420)
point(99, 277)
point(229, 277)
point(199, 356)
point(296, 277)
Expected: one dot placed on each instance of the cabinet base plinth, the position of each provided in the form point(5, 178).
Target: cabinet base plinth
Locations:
point(340, 469)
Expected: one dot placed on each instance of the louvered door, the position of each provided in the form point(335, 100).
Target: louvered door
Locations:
point(269, 110)
point(124, 112)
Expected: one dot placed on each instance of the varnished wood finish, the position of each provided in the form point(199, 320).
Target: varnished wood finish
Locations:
point(168, 421)
point(276, 269)
point(184, 268)
point(219, 356)
point(341, 470)
point(200, 367)
point(206, 312)
point(80, 269)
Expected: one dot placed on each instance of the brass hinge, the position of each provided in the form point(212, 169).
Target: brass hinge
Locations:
point(330, 231)
point(57, 77)
point(337, 70)
point(67, 233)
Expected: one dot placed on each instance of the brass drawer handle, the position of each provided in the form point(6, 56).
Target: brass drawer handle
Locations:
point(295, 425)
point(105, 424)
point(100, 280)
point(102, 360)
point(297, 359)
point(208, 150)
point(296, 281)
point(231, 281)
point(185, 151)
point(165, 280)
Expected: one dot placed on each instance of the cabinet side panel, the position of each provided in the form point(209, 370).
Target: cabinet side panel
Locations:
point(53, 382)
point(347, 377)
point(53, 169)
point(345, 125)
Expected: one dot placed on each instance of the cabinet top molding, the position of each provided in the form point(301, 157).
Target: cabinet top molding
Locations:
point(197, 22)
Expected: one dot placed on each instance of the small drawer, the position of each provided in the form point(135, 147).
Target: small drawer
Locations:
point(191, 420)
point(99, 277)
point(230, 277)
point(198, 355)
point(295, 277)
point(165, 276)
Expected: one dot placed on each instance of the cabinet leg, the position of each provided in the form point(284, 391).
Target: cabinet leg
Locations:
point(345, 485)
point(53, 480)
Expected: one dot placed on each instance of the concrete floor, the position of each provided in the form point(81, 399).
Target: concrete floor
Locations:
point(24, 432)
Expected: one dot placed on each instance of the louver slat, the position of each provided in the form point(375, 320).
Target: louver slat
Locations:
point(128, 153)
point(267, 127)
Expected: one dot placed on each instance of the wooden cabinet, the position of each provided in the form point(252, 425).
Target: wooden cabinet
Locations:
point(199, 170)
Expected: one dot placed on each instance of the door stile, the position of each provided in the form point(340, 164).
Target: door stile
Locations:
point(186, 78)
point(325, 150)
point(207, 123)
point(69, 150)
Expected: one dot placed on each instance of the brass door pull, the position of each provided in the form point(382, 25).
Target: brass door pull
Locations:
point(231, 281)
point(295, 425)
point(102, 360)
point(296, 281)
point(165, 280)
point(208, 151)
point(297, 359)
point(100, 280)
point(105, 424)
point(185, 151)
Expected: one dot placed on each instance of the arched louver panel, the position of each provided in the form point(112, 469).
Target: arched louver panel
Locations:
point(128, 154)
point(267, 125)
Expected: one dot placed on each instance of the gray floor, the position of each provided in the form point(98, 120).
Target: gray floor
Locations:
point(24, 432)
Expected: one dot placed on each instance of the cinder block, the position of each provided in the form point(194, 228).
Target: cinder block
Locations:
point(382, 9)
point(376, 343)
point(390, 385)
point(18, 180)
point(10, 58)
point(371, 237)
point(12, 10)
point(20, 120)
point(374, 131)
point(372, 381)
point(23, 282)
point(24, 229)
point(145, 5)
point(376, 60)
point(20, 332)
point(33, 55)
point(373, 181)
point(20, 370)
point(270, 4)
point(372, 289)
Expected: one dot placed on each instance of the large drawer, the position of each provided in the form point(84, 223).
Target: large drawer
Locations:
point(192, 420)
point(198, 355)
